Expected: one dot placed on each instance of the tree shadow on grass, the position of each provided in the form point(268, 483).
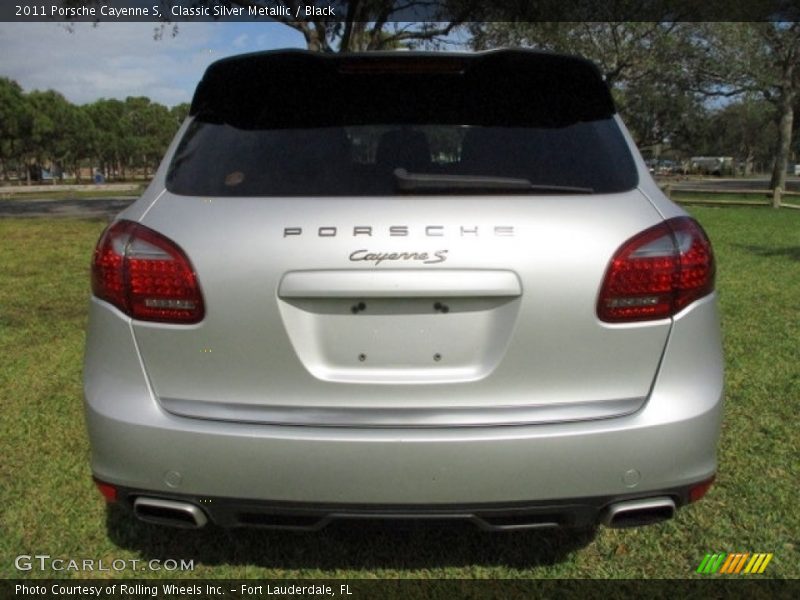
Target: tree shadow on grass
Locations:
point(104, 208)
point(350, 545)
point(790, 252)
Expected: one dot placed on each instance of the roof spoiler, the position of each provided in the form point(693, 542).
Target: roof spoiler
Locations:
point(299, 88)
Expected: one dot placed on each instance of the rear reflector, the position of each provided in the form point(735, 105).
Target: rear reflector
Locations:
point(657, 273)
point(701, 489)
point(146, 275)
point(109, 491)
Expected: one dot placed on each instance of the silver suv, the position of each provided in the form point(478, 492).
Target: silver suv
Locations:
point(403, 285)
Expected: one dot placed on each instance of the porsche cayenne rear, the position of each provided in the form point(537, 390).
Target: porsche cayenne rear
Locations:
point(403, 285)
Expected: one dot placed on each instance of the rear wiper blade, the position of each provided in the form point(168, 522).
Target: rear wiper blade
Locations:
point(415, 182)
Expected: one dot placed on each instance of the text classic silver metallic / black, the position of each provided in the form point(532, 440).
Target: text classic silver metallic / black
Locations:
point(403, 285)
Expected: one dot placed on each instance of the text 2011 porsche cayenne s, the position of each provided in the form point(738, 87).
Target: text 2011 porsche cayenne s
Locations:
point(403, 285)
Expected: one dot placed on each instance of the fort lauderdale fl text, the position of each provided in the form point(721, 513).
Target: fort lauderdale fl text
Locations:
point(68, 12)
point(169, 589)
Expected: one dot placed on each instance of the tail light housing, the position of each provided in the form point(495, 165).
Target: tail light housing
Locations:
point(657, 273)
point(696, 492)
point(146, 275)
point(108, 491)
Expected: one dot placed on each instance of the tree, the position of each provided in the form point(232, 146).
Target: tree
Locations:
point(77, 140)
point(40, 129)
point(747, 130)
point(132, 134)
point(112, 140)
point(760, 59)
point(178, 113)
point(57, 133)
point(43, 140)
point(14, 120)
point(662, 115)
point(150, 127)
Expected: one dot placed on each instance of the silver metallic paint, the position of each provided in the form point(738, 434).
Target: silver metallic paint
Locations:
point(241, 357)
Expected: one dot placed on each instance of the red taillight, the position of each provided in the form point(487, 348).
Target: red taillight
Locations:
point(109, 491)
point(701, 489)
point(657, 273)
point(145, 275)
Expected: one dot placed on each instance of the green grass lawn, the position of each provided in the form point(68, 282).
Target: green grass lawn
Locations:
point(73, 194)
point(48, 503)
point(679, 195)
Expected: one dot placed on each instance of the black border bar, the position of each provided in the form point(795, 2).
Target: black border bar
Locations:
point(356, 589)
point(181, 11)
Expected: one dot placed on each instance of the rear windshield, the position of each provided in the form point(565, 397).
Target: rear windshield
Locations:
point(303, 124)
point(222, 160)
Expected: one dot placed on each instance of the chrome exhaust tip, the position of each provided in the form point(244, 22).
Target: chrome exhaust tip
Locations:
point(169, 512)
point(636, 513)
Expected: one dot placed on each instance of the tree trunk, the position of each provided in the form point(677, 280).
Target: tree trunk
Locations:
point(748, 164)
point(785, 122)
point(315, 39)
point(778, 179)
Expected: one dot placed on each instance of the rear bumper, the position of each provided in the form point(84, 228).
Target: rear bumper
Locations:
point(664, 448)
point(508, 466)
point(298, 516)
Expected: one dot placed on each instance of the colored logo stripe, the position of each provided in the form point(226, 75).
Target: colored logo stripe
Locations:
point(734, 563)
point(711, 563)
point(758, 563)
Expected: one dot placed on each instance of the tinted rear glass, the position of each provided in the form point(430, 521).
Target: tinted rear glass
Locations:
point(298, 124)
point(222, 160)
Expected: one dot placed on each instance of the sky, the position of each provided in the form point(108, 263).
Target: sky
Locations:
point(116, 60)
